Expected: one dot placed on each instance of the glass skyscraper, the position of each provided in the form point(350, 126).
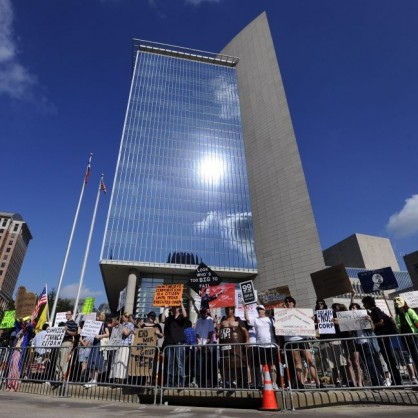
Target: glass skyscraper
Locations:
point(193, 147)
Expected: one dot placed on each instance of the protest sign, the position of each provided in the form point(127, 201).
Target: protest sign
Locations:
point(411, 298)
point(353, 320)
point(59, 317)
point(203, 276)
point(332, 281)
point(294, 322)
point(8, 320)
point(274, 298)
point(168, 295)
point(53, 337)
point(248, 292)
point(377, 280)
point(122, 299)
point(115, 339)
point(88, 305)
point(25, 302)
point(325, 321)
point(143, 352)
point(91, 328)
point(219, 296)
point(239, 306)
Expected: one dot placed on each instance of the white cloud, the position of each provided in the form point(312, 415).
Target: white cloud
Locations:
point(405, 222)
point(226, 96)
point(70, 292)
point(198, 2)
point(233, 228)
point(15, 80)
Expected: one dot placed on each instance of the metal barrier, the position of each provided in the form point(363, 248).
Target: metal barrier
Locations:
point(306, 365)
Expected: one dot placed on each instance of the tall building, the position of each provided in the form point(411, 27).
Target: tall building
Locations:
point(209, 170)
point(14, 241)
point(362, 251)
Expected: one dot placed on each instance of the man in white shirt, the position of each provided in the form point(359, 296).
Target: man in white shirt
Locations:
point(266, 343)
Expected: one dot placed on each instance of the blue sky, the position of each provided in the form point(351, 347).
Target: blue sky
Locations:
point(350, 73)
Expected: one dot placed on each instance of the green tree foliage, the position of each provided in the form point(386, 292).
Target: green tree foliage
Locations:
point(62, 304)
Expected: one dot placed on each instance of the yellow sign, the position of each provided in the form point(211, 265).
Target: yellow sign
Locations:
point(168, 295)
point(8, 320)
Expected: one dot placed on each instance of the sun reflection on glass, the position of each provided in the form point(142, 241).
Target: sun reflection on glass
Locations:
point(212, 169)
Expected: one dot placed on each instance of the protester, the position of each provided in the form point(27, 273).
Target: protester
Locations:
point(174, 336)
point(384, 326)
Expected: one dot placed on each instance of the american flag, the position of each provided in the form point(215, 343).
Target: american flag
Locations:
point(103, 186)
point(86, 177)
point(42, 300)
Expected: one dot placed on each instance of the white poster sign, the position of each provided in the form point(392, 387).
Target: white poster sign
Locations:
point(353, 320)
point(325, 321)
point(294, 322)
point(122, 299)
point(239, 307)
point(53, 337)
point(91, 328)
point(411, 298)
point(59, 317)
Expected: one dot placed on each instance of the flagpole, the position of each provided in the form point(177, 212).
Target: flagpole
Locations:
point(85, 180)
point(83, 269)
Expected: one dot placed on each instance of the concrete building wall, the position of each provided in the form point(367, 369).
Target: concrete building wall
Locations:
point(362, 251)
point(411, 262)
point(286, 237)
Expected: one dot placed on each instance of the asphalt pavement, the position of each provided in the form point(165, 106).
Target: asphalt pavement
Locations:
point(23, 405)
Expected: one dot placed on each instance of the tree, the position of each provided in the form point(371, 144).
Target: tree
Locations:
point(62, 304)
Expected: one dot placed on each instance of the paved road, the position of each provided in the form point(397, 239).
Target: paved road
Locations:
point(22, 405)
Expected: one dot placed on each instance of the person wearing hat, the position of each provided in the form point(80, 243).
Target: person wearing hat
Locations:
point(266, 341)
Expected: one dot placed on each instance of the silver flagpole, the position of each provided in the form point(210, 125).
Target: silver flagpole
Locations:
point(64, 265)
point(83, 269)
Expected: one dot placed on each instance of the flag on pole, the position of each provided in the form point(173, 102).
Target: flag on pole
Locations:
point(86, 177)
point(42, 300)
point(103, 186)
point(44, 317)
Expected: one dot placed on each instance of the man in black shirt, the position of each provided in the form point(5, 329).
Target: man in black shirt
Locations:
point(384, 325)
point(71, 329)
point(174, 335)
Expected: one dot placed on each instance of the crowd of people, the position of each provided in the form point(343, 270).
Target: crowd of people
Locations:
point(228, 352)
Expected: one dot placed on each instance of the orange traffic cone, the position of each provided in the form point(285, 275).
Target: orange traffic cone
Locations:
point(269, 397)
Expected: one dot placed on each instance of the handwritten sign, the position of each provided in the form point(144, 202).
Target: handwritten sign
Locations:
point(53, 337)
point(325, 321)
point(8, 320)
point(274, 298)
point(411, 298)
point(203, 277)
point(239, 307)
point(59, 317)
point(353, 320)
point(294, 322)
point(91, 328)
point(168, 295)
point(143, 352)
point(25, 302)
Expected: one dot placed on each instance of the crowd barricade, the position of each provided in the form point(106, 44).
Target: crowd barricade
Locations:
point(359, 362)
point(215, 368)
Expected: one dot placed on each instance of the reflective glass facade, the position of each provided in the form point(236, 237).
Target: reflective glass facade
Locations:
point(181, 181)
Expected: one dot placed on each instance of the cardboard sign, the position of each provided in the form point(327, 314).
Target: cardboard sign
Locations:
point(8, 320)
point(91, 328)
point(377, 280)
point(332, 281)
point(325, 321)
point(25, 302)
point(143, 352)
point(168, 295)
point(274, 298)
point(411, 298)
point(53, 337)
point(218, 296)
point(353, 320)
point(294, 322)
point(122, 299)
point(248, 292)
point(59, 317)
point(115, 339)
point(203, 277)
